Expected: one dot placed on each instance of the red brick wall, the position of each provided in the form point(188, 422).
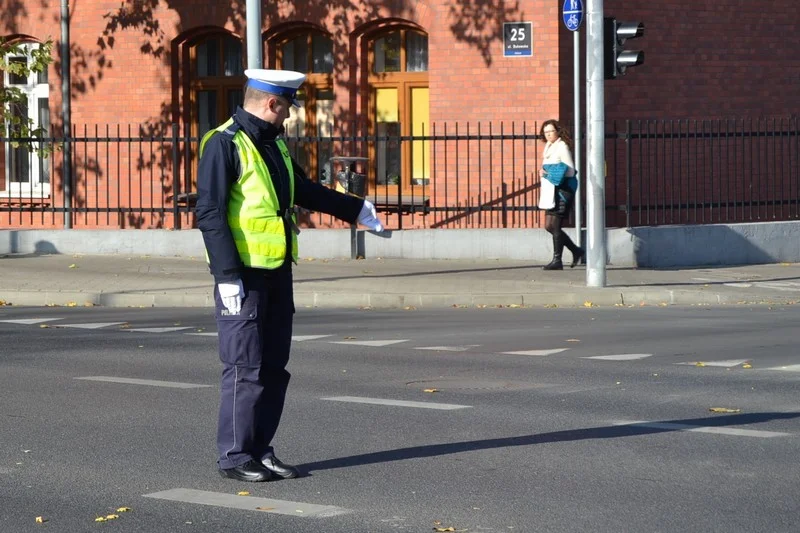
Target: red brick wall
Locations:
point(703, 59)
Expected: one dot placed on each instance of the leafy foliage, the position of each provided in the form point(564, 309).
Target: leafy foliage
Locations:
point(13, 99)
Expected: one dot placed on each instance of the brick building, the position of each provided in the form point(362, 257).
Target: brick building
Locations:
point(384, 68)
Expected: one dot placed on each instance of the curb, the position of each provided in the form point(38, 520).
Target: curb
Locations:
point(318, 299)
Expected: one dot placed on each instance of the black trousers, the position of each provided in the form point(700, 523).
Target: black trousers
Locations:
point(254, 350)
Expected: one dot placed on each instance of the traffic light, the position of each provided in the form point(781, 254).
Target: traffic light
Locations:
point(615, 33)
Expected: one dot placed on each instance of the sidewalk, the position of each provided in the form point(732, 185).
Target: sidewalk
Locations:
point(144, 281)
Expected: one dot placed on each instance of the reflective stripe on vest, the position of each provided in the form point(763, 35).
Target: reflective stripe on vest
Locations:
point(258, 228)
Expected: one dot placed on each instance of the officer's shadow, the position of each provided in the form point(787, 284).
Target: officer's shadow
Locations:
point(602, 432)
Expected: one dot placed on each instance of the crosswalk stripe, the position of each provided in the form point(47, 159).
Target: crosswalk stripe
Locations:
point(538, 352)
point(160, 330)
point(150, 382)
point(704, 429)
point(29, 321)
point(370, 343)
point(214, 334)
point(620, 357)
point(95, 325)
point(249, 503)
point(448, 348)
point(301, 338)
point(787, 368)
point(398, 403)
point(726, 364)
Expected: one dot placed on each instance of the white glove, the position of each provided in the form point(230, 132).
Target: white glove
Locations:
point(231, 294)
point(369, 218)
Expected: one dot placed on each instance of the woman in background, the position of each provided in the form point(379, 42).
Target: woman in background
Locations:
point(558, 185)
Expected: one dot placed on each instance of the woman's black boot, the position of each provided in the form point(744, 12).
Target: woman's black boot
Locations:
point(558, 247)
point(554, 264)
point(578, 256)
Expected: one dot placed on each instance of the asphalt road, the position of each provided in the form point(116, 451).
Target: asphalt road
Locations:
point(527, 420)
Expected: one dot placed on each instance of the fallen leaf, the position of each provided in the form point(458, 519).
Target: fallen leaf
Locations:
point(573, 340)
point(587, 303)
point(43, 326)
point(265, 508)
point(112, 516)
point(444, 529)
point(550, 306)
point(72, 304)
point(73, 265)
point(747, 365)
point(430, 390)
point(699, 363)
point(3, 302)
point(409, 308)
point(243, 493)
point(123, 509)
point(349, 338)
point(515, 306)
point(101, 519)
point(724, 410)
point(40, 520)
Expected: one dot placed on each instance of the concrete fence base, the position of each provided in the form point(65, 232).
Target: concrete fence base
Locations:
point(646, 247)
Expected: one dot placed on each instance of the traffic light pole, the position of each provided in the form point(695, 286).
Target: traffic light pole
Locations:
point(576, 46)
point(595, 135)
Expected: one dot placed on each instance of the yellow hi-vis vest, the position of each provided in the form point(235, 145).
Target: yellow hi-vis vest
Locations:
point(254, 213)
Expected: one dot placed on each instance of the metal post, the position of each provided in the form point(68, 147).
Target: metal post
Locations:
point(66, 112)
point(253, 23)
point(595, 136)
point(576, 45)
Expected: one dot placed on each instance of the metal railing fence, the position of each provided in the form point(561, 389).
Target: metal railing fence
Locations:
point(456, 176)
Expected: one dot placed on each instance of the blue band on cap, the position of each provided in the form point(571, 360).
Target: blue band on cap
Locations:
point(286, 92)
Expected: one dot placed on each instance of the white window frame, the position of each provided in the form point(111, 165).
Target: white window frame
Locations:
point(34, 91)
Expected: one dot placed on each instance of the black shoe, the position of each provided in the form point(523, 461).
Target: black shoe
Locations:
point(250, 471)
point(578, 256)
point(279, 468)
point(555, 264)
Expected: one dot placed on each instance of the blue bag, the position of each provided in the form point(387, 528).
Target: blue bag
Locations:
point(556, 172)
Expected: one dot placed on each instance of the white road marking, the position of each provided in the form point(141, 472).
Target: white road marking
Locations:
point(160, 330)
point(203, 334)
point(449, 348)
point(398, 403)
point(620, 357)
point(780, 286)
point(727, 364)
point(95, 325)
point(370, 343)
point(739, 285)
point(150, 382)
point(29, 321)
point(249, 503)
point(787, 368)
point(301, 338)
point(704, 429)
point(538, 352)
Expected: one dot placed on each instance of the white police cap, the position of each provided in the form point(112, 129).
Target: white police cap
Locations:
point(279, 82)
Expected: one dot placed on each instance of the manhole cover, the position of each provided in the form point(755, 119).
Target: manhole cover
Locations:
point(470, 384)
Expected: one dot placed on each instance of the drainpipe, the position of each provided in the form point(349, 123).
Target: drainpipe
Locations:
point(66, 108)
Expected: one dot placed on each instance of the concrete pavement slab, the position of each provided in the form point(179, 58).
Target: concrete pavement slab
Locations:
point(145, 281)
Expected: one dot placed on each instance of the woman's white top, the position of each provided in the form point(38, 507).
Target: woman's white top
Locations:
point(554, 152)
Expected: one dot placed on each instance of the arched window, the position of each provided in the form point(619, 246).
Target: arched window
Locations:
point(27, 172)
point(398, 104)
point(310, 52)
point(216, 81)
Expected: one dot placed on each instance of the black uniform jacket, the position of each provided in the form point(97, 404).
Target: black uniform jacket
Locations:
point(219, 169)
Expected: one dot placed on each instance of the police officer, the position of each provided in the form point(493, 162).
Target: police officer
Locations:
point(247, 186)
